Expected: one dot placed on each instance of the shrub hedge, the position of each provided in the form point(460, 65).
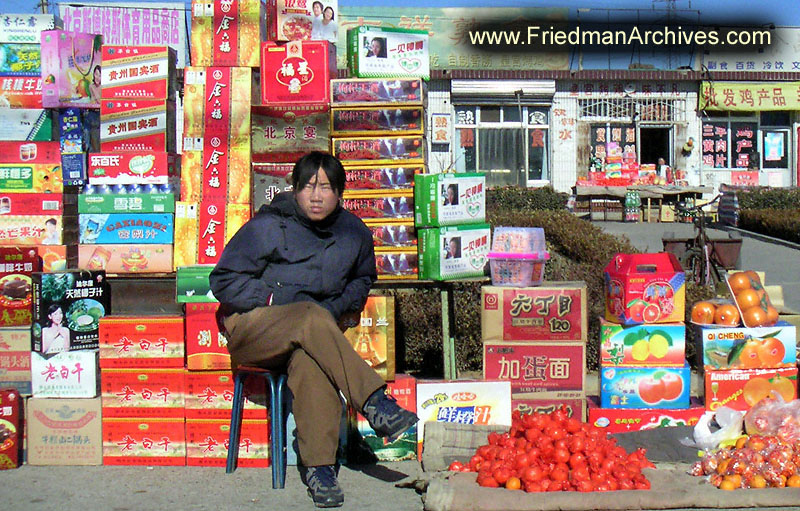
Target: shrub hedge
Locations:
point(769, 198)
point(783, 224)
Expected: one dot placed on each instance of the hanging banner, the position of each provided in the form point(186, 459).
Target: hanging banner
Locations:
point(130, 23)
point(749, 97)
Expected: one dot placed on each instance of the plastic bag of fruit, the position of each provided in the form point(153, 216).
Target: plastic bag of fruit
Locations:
point(715, 428)
point(774, 416)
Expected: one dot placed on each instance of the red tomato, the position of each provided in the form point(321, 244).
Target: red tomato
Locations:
point(585, 486)
point(580, 474)
point(561, 455)
point(555, 432)
point(576, 444)
point(456, 466)
point(532, 434)
point(533, 487)
point(577, 460)
point(559, 474)
point(522, 461)
point(476, 462)
point(533, 473)
point(572, 425)
point(488, 482)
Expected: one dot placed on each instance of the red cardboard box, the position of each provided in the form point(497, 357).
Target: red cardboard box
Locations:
point(141, 342)
point(216, 102)
point(138, 72)
point(16, 266)
point(536, 367)
point(574, 401)
point(283, 134)
point(382, 177)
point(645, 288)
point(740, 389)
point(616, 420)
point(11, 429)
point(216, 169)
point(209, 395)
point(15, 359)
point(143, 392)
point(144, 442)
point(21, 91)
point(297, 73)
point(554, 311)
point(32, 204)
point(206, 347)
point(141, 167)
point(226, 33)
point(137, 125)
point(38, 153)
point(207, 443)
point(57, 257)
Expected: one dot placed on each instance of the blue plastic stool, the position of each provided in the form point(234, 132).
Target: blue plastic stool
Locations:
point(278, 395)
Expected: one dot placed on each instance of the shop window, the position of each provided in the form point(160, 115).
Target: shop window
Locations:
point(508, 142)
point(730, 142)
point(775, 149)
point(777, 118)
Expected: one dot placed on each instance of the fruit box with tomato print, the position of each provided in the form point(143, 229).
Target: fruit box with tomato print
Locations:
point(16, 266)
point(206, 347)
point(536, 367)
point(209, 395)
point(15, 359)
point(462, 402)
point(748, 348)
point(645, 387)
point(297, 73)
point(644, 288)
point(146, 442)
point(207, 443)
point(574, 401)
point(642, 345)
point(615, 420)
point(143, 392)
point(554, 311)
point(449, 199)
point(404, 389)
point(225, 33)
point(740, 389)
point(141, 342)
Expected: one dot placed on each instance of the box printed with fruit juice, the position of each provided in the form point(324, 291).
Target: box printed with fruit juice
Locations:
point(29, 96)
point(221, 36)
point(141, 342)
point(390, 236)
point(379, 150)
point(380, 206)
point(209, 395)
point(206, 346)
point(21, 61)
point(33, 230)
point(143, 392)
point(554, 311)
point(354, 122)
point(741, 389)
point(207, 443)
point(381, 177)
point(65, 374)
point(463, 402)
point(126, 203)
point(137, 125)
point(71, 69)
point(144, 441)
point(36, 178)
point(374, 337)
point(748, 348)
point(376, 91)
point(270, 179)
point(142, 167)
point(536, 366)
point(53, 425)
point(618, 420)
point(124, 228)
point(11, 429)
point(662, 344)
point(644, 288)
point(16, 266)
point(214, 170)
point(24, 204)
point(216, 102)
point(574, 401)
point(282, 134)
point(449, 199)
point(297, 73)
point(397, 263)
point(15, 359)
point(404, 389)
point(455, 252)
point(57, 257)
point(134, 258)
point(752, 301)
point(645, 387)
point(138, 72)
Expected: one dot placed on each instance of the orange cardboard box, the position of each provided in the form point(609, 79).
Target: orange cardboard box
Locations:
point(143, 392)
point(209, 395)
point(207, 443)
point(740, 389)
point(206, 347)
point(144, 442)
point(63, 431)
point(141, 341)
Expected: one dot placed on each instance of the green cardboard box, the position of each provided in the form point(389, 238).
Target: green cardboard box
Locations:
point(383, 52)
point(127, 203)
point(456, 252)
point(449, 199)
point(192, 284)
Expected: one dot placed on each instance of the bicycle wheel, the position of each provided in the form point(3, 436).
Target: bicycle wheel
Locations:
point(693, 266)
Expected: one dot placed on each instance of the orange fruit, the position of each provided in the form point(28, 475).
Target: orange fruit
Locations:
point(757, 481)
point(755, 280)
point(747, 298)
point(727, 484)
point(749, 356)
point(513, 483)
point(734, 478)
point(754, 316)
point(784, 386)
point(727, 315)
point(771, 352)
point(703, 313)
point(793, 481)
point(755, 390)
point(740, 442)
point(772, 315)
point(739, 281)
point(722, 466)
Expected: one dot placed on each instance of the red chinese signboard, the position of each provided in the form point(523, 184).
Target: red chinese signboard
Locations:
point(297, 73)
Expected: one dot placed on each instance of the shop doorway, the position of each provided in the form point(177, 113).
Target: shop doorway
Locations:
point(655, 143)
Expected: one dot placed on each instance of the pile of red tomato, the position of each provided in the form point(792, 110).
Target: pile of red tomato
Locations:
point(555, 452)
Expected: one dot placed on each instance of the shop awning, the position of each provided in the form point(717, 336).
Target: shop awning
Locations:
point(749, 96)
point(525, 91)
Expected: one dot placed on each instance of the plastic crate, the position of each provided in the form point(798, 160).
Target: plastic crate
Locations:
point(518, 240)
point(517, 270)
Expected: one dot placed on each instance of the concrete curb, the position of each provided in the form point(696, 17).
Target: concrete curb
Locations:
point(759, 237)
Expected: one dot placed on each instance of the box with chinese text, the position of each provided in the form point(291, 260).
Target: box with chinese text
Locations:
point(747, 348)
point(663, 344)
point(297, 73)
point(404, 390)
point(26, 28)
point(127, 203)
point(123, 228)
point(21, 60)
point(456, 252)
point(617, 420)
point(206, 346)
point(536, 367)
point(380, 206)
point(377, 92)
point(138, 72)
point(209, 395)
point(289, 20)
point(270, 179)
point(741, 389)
point(283, 134)
point(207, 442)
point(645, 387)
point(144, 441)
point(26, 124)
point(381, 177)
point(216, 102)
point(31, 178)
point(370, 121)
point(153, 393)
point(15, 359)
point(67, 307)
point(16, 266)
point(11, 428)
point(64, 431)
point(374, 337)
point(225, 36)
point(573, 401)
point(203, 230)
point(34, 230)
point(30, 153)
point(25, 204)
point(214, 168)
point(554, 311)
point(141, 342)
point(463, 402)
point(137, 125)
point(449, 199)
point(71, 69)
point(65, 374)
point(381, 52)
point(126, 258)
point(391, 236)
point(142, 167)
point(397, 263)
point(21, 92)
point(384, 150)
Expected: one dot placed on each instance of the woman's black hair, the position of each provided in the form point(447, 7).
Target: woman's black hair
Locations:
point(332, 13)
point(308, 166)
point(322, 7)
point(53, 307)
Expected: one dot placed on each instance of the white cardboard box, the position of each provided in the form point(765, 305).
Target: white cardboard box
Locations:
point(65, 374)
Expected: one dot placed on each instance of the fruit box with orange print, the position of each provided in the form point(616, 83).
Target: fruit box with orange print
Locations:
point(642, 345)
point(616, 420)
point(144, 442)
point(644, 288)
point(645, 387)
point(207, 443)
point(141, 342)
point(747, 348)
point(206, 347)
point(536, 366)
point(740, 389)
point(209, 395)
point(143, 392)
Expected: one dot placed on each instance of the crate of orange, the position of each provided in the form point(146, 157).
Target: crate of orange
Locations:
point(752, 300)
point(748, 348)
point(741, 389)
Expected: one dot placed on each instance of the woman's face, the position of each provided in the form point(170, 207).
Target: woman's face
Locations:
point(375, 46)
point(451, 195)
point(97, 74)
point(328, 13)
point(57, 316)
point(453, 246)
